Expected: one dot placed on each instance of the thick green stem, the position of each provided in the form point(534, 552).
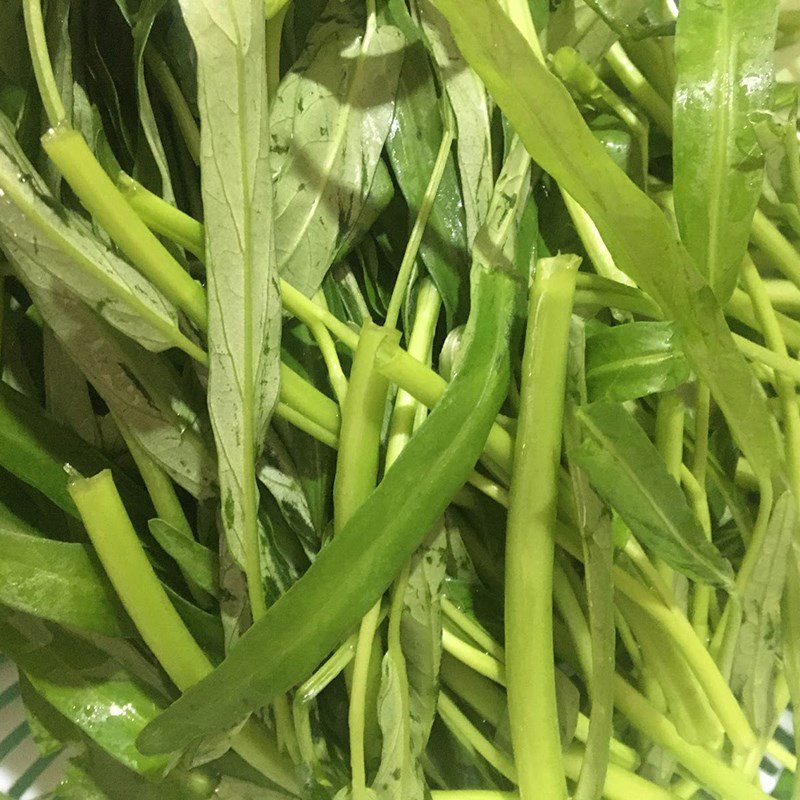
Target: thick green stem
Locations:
point(530, 534)
point(98, 194)
point(162, 493)
point(143, 597)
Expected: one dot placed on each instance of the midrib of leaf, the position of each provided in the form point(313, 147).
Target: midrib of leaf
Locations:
point(250, 509)
point(344, 117)
point(170, 331)
point(610, 447)
point(725, 96)
point(648, 360)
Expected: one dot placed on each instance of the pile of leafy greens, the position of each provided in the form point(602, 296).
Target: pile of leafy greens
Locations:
point(398, 397)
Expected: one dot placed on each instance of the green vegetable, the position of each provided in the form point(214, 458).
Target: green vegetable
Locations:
point(625, 468)
point(724, 63)
point(530, 537)
point(325, 472)
point(243, 317)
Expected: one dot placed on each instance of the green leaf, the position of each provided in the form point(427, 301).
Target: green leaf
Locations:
point(399, 775)
point(243, 299)
point(470, 106)
point(421, 636)
point(105, 688)
point(412, 145)
point(328, 126)
point(636, 232)
point(758, 647)
point(724, 59)
point(625, 468)
point(634, 360)
point(50, 245)
point(205, 627)
point(282, 476)
point(67, 396)
point(197, 563)
point(58, 581)
point(35, 448)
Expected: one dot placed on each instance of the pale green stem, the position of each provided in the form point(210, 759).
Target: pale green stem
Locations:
point(98, 194)
point(781, 252)
point(530, 534)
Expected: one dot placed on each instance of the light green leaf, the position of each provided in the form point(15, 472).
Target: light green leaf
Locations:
point(243, 299)
point(724, 59)
point(629, 361)
point(328, 125)
point(421, 636)
point(399, 775)
point(625, 468)
point(636, 232)
point(470, 105)
point(758, 647)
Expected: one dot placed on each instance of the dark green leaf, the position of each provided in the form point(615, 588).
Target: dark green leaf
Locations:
point(197, 563)
point(412, 145)
point(58, 581)
point(106, 688)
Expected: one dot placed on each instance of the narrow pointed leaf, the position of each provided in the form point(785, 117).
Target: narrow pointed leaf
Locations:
point(243, 300)
point(625, 468)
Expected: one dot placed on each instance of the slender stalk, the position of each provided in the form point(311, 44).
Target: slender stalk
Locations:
point(183, 115)
point(415, 238)
point(162, 217)
point(530, 534)
point(42, 66)
point(780, 251)
point(143, 597)
point(670, 418)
